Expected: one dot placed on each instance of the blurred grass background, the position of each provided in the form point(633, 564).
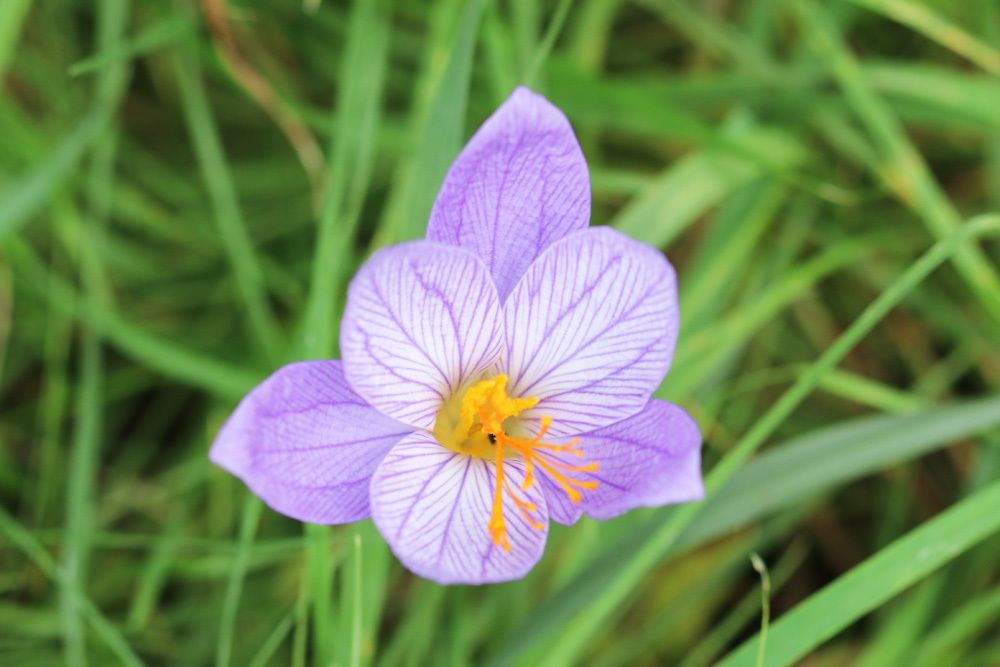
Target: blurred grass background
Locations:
point(186, 188)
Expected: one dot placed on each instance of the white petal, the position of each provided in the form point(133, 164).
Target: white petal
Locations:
point(590, 329)
point(433, 507)
point(421, 319)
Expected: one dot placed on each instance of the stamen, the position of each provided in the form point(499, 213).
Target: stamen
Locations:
point(497, 526)
point(524, 507)
point(534, 452)
point(475, 423)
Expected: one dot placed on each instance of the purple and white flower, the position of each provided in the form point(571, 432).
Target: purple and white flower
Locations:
point(496, 375)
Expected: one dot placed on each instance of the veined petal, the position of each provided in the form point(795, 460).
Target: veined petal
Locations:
point(422, 318)
point(650, 459)
point(306, 444)
point(433, 508)
point(518, 185)
point(590, 330)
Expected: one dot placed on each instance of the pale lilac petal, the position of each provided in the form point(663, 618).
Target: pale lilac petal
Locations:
point(433, 508)
point(590, 330)
point(306, 444)
point(518, 185)
point(651, 459)
point(422, 318)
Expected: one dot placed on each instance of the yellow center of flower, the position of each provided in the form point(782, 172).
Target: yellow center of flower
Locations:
point(483, 421)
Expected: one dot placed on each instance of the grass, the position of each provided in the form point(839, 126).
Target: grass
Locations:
point(823, 175)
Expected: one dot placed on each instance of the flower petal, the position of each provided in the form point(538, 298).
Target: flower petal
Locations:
point(650, 459)
point(421, 319)
point(590, 330)
point(518, 185)
point(306, 444)
point(433, 507)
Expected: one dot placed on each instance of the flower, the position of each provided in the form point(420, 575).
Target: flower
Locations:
point(496, 375)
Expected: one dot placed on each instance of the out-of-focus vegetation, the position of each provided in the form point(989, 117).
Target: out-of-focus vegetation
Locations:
point(185, 189)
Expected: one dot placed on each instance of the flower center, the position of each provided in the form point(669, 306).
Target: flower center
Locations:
point(483, 421)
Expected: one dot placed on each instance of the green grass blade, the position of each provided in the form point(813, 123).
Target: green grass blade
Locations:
point(161, 34)
point(925, 20)
point(225, 203)
point(356, 610)
point(548, 41)
point(85, 453)
point(865, 391)
point(939, 96)
point(877, 579)
point(319, 573)
point(904, 170)
point(21, 537)
point(948, 637)
point(12, 16)
point(155, 574)
point(691, 186)
point(234, 584)
point(353, 150)
point(765, 606)
point(82, 470)
point(707, 348)
point(272, 643)
point(901, 631)
point(157, 352)
point(438, 131)
point(806, 466)
point(22, 200)
point(740, 616)
point(713, 35)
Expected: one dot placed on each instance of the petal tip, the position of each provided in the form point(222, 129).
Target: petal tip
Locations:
point(539, 112)
point(519, 184)
point(306, 444)
point(231, 449)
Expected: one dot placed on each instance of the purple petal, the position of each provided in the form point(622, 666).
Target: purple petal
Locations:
point(433, 507)
point(421, 319)
point(306, 444)
point(518, 185)
point(591, 329)
point(648, 460)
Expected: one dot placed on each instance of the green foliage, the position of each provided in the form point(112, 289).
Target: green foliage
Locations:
point(186, 188)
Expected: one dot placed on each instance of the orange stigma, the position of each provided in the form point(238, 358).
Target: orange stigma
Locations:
point(479, 422)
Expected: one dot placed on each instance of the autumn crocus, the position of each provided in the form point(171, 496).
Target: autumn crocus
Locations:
point(495, 376)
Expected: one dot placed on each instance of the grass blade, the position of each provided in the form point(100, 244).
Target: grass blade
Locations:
point(878, 579)
point(903, 169)
point(225, 203)
point(832, 457)
point(32, 192)
point(82, 469)
point(353, 151)
point(548, 40)
point(234, 584)
point(926, 21)
point(157, 352)
point(438, 132)
point(694, 184)
point(12, 15)
point(22, 538)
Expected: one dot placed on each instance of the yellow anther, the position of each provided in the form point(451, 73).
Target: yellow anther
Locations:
point(478, 422)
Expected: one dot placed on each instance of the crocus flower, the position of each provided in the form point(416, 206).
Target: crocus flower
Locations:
point(495, 376)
